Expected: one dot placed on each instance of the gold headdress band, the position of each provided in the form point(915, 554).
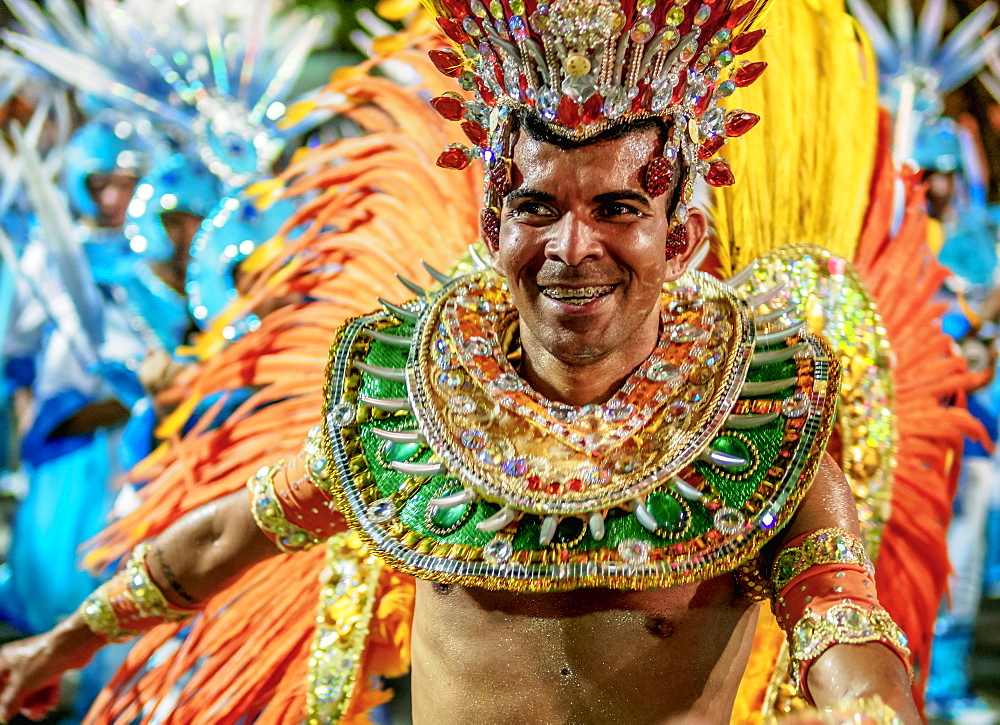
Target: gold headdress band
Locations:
point(584, 66)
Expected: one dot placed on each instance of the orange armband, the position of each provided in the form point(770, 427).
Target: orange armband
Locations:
point(824, 594)
point(130, 603)
point(291, 504)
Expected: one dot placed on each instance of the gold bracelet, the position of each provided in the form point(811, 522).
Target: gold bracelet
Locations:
point(825, 546)
point(130, 603)
point(270, 514)
point(844, 623)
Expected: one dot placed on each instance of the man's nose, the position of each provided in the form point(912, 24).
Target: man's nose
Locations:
point(574, 240)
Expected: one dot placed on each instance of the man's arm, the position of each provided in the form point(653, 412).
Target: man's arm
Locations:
point(190, 562)
point(848, 671)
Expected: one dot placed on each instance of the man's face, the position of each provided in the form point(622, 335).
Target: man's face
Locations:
point(111, 193)
point(582, 245)
point(181, 228)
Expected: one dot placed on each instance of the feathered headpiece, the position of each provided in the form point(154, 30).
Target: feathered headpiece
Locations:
point(584, 66)
point(917, 67)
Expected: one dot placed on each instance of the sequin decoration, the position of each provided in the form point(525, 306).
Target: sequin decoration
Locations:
point(556, 441)
point(827, 292)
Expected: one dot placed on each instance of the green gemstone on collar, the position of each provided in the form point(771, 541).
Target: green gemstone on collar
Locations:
point(569, 531)
point(666, 510)
point(401, 452)
point(448, 518)
point(734, 446)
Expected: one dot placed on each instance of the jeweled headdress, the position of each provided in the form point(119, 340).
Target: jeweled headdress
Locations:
point(585, 66)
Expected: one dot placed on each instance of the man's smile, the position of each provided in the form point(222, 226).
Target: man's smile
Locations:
point(577, 295)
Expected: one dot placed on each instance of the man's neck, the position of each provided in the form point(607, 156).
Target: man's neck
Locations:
point(588, 382)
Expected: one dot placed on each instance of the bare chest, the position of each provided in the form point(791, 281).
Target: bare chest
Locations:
point(588, 656)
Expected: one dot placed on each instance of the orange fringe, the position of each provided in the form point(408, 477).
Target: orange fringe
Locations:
point(376, 206)
point(931, 379)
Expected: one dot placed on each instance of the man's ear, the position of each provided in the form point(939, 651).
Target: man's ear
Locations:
point(695, 228)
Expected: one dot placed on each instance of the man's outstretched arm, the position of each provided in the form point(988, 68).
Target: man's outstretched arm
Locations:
point(192, 560)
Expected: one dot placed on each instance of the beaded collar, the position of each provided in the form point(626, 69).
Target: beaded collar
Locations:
point(453, 469)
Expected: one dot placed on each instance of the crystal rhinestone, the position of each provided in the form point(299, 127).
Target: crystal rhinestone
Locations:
point(547, 104)
point(664, 372)
point(517, 6)
point(507, 383)
point(564, 413)
point(687, 333)
point(729, 521)
point(616, 412)
point(471, 27)
point(688, 51)
point(382, 510)
point(516, 467)
point(625, 464)
point(449, 517)
point(451, 379)
point(805, 635)
point(317, 465)
point(341, 415)
point(499, 550)
point(675, 16)
point(642, 31)
point(633, 552)
point(721, 37)
point(462, 404)
point(473, 439)
point(478, 346)
point(795, 406)
point(518, 28)
point(725, 89)
point(704, 13)
point(496, 9)
point(491, 457)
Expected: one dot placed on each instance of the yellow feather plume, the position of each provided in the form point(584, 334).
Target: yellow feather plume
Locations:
point(803, 174)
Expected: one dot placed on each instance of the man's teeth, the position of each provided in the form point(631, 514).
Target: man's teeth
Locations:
point(577, 295)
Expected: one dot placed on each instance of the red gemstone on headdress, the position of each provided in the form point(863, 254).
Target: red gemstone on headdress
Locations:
point(568, 113)
point(485, 93)
point(453, 30)
point(446, 61)
point(453, 157)
point(534, 483)
point(575, 485)
point(456, 8)
point(705, 100)
point(739, 122)
point(491, 235)
point(451, 107)
point(749, 73)
point(708, 149)
point(747, 41)
point(592, 109)
point(476, 133)
point(719, 174)
point(659, 176)
point(499, 179)
point(737, 16)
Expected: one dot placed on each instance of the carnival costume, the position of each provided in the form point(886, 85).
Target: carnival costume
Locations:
point(355, 220)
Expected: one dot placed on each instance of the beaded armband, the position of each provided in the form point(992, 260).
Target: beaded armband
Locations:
point(290, 500)
point(824, 595)
point(130, 603)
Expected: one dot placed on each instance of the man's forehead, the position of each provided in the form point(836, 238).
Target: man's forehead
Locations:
point(620, 159)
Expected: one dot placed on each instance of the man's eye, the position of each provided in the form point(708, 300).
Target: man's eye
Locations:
point(618, 209)
point(532, 208)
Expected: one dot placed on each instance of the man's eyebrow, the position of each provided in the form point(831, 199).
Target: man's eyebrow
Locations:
point(622, 194)
point(532, 194)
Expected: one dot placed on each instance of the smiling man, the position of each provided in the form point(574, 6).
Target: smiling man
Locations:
point(593, 460)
